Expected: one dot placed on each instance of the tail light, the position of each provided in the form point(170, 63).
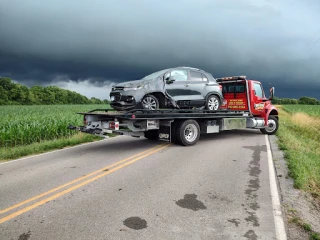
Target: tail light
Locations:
point(85, 122)
point(114, 125)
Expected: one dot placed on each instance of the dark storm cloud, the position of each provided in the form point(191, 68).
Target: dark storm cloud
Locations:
point(273, 41)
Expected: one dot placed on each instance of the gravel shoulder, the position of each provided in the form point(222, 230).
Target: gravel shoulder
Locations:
point(299, 208)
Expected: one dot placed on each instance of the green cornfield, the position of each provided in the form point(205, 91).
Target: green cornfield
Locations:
point(312, 110)
point(23, 125)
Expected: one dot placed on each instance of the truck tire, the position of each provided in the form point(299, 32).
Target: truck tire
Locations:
point(272, 127)
point(188, 133)
point(151, 134)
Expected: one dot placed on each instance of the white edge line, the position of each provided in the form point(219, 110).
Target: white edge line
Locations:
point(58, 150)
point(277, 214)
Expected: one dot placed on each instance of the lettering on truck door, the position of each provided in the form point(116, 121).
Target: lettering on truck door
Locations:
point(258, 96)
point(235, 96)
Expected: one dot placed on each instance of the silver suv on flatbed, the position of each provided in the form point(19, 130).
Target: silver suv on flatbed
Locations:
point(182, 87)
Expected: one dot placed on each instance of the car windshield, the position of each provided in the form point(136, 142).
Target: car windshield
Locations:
point(155, 74)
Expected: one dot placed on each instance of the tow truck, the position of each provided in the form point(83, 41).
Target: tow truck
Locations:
point(245, 106)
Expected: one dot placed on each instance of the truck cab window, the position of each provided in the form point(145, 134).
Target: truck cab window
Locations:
point(258, 90)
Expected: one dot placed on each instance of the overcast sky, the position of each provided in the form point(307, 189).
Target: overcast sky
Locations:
point(86, 46)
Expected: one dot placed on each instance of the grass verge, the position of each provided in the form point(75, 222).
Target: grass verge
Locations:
point(299, 139)
point(45, 146)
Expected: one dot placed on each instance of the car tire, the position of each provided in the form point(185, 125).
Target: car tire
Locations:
point(272, 127)
point(188, 132)
point(213, 103)
point(150, 102)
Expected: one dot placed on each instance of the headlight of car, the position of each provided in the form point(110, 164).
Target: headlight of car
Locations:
point(132, 88)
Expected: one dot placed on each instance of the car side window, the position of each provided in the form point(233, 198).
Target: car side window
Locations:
point(258, 90)
point(195, 76)
point(204, 78)
point(180, 75)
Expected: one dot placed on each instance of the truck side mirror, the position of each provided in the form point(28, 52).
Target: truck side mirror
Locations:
point(271, 93)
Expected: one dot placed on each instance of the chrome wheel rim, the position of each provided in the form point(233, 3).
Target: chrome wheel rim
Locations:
point(213, 103)
point(149, 103)
point(190, 132)
point(271, 125)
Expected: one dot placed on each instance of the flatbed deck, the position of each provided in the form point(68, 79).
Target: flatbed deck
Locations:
point(165, 114)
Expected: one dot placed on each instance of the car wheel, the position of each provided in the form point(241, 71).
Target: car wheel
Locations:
point(150, 102)
point(213, 103)
point(272, 126)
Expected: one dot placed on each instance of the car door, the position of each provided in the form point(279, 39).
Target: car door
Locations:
point(177, 89)
point(197, 85)
point(257, 105)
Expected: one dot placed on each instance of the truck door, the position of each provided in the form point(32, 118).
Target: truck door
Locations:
point(178, 89)
point(257, 94)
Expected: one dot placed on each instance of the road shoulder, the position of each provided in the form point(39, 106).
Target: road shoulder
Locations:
point(299, 210)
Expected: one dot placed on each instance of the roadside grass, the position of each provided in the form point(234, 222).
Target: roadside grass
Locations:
point(299, 138)
point(28, 130)
point(10, 153)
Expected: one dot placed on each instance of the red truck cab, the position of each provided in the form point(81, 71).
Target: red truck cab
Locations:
point(241, 94)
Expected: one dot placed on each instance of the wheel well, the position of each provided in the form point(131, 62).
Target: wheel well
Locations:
point(213, 93)
point(274, 113)
point(160, 96)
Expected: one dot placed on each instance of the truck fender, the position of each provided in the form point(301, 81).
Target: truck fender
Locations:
point(271, 110)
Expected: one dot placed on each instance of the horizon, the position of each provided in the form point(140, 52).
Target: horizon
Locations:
point(50, 43)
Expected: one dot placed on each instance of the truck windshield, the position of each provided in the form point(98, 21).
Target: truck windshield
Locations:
point(155, 74)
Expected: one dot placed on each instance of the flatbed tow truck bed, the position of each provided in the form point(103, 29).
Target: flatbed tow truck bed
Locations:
point(245, 106)
point(173, 125)
point(163, 114)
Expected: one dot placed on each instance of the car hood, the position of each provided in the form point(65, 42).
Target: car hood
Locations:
point(134, 83)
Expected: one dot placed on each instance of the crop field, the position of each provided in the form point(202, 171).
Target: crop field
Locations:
point(23, 125)
point(312, 110)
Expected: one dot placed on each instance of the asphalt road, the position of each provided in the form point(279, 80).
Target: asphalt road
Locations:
point(128, 188)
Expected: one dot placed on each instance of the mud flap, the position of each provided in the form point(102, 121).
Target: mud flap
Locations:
point(165, 132)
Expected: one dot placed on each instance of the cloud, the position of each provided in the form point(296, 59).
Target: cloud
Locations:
point(272, 41)
point(87, 87)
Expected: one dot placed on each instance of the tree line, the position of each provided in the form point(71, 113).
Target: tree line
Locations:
point(303, 100)
point(16, 94)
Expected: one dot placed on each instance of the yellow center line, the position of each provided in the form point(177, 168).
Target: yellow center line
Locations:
point(75, 181)
point(15, 214)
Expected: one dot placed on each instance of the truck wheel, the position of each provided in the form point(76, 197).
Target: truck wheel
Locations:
point(150, 102)
point(188, 132)
point(272, 126)
point(151, 134)
point(213, 103)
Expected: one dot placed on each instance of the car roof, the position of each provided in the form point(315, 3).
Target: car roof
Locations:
point(197, 69)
